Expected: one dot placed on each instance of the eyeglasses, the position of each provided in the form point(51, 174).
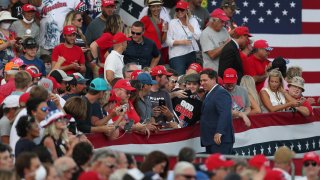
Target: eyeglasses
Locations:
point(186, 176)
point(136, 33)
point(111, 166)
point(308, 163)
point(45, 109)
point(62, 120)
point(181, 10)
point(173, 81)
point(79, 20)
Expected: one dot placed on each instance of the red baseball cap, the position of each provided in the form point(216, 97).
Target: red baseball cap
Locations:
point(311, 156)
point(159, 70)
point(182, 5)
point(125, 84)
point(262, 44)
point(242, 30)
point(217, 160)
point(69, 29)
point(220, 14)
point(195, 66)
point(230, 76)
point(258, 161)
point(119, 38)
point(56, 85)
point(24, 98)
point(105, 3)
point(33, 71)
point(28, 8)
point(135, 74)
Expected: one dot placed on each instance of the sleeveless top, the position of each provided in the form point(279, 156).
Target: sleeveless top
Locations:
point(276, 98)
point(60, 145)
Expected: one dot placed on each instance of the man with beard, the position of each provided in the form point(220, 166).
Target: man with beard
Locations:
point(76, 87)
point(61, 77)
point(71, 55)
point(96, 27)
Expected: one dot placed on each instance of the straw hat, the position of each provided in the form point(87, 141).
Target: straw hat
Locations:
point(6, 15)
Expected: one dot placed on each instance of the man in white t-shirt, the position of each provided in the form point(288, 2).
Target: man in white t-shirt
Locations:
point(114, 63)
point(213, 38)
point(53, 13)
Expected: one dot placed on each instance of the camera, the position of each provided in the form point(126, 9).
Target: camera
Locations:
point(124, 107)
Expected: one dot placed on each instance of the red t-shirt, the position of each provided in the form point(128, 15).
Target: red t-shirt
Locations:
point(104, 42)
point(307, 105)
point(256, 67)
point(7, 89)
point(151, 32)
point(131, 113)
point(71, 55)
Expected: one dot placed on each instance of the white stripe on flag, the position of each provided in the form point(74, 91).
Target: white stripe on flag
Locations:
point(292, 40)
point(169, 148)
point(312, 89)
point(310, 15)
point(260, 135)
point(309, 65)
point(127, 18)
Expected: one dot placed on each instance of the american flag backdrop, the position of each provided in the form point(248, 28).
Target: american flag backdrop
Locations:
point(292, 27)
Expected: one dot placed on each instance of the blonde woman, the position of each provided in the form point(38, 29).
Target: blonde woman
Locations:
point(273, 97)
point(56, 138)
point(248, 83)
point(182, 36)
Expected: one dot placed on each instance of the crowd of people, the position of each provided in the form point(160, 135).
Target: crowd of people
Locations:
point(73, 67)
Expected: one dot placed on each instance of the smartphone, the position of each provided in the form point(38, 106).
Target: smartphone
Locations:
point(189, 93)
point(128, 125)
point(162, 102)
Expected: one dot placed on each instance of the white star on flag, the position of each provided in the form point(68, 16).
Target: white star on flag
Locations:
point(269, 149)
point(253, 12)
point(213, 3)
point(261, 20)
point(269, 12)
point(245, 19)
point(238, 11)
point(130, 7)
point(284, 12)
point(307, 146)
point(261, 4)
point(277, 4)
point(245, 4)
point(292, 4)
point(293, 20)
point(277, 20)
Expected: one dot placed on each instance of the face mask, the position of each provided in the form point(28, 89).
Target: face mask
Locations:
point(41, 173)
point(26, 21)
point(5, 26)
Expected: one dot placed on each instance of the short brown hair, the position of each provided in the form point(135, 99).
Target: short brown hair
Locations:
point(22, 79)
point(39, 92)
point(76, 107)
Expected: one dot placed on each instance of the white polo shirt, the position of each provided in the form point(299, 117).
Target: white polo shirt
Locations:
point(114, 62)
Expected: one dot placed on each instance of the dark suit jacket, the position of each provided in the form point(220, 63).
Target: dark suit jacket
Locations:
point(216, 117)
point(230, 58)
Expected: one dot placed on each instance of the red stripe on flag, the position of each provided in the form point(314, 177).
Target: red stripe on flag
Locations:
point(310, 4)
point(296, 52)
point(311, 27)
point(311, 77)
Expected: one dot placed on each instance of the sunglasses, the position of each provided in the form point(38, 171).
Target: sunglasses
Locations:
point(173, 81)
point(181, 10)
point(136, 33)
point(79, 20)
point(45, 109)
point(308, 163)
point(62, 120)
point(111, 166)
point(188, 176)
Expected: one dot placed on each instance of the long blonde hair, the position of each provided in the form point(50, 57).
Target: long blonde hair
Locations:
point(249, 84)
point(51, 130)
point(276, 73)
point(68, 21)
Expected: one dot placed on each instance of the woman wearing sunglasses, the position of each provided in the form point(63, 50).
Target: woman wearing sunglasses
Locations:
point(155, 26)
point(56, 139)
point(311, 166)
point(182, 35)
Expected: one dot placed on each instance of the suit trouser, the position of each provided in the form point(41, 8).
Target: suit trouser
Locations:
point(223, 148)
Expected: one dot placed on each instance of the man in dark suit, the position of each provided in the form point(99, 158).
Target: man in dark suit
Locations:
point(217, 133)
point(230, 54)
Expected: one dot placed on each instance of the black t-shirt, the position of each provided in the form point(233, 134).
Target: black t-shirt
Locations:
point(92, 110)
point(188, 110)
point(68, 96)
point(24, 145)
